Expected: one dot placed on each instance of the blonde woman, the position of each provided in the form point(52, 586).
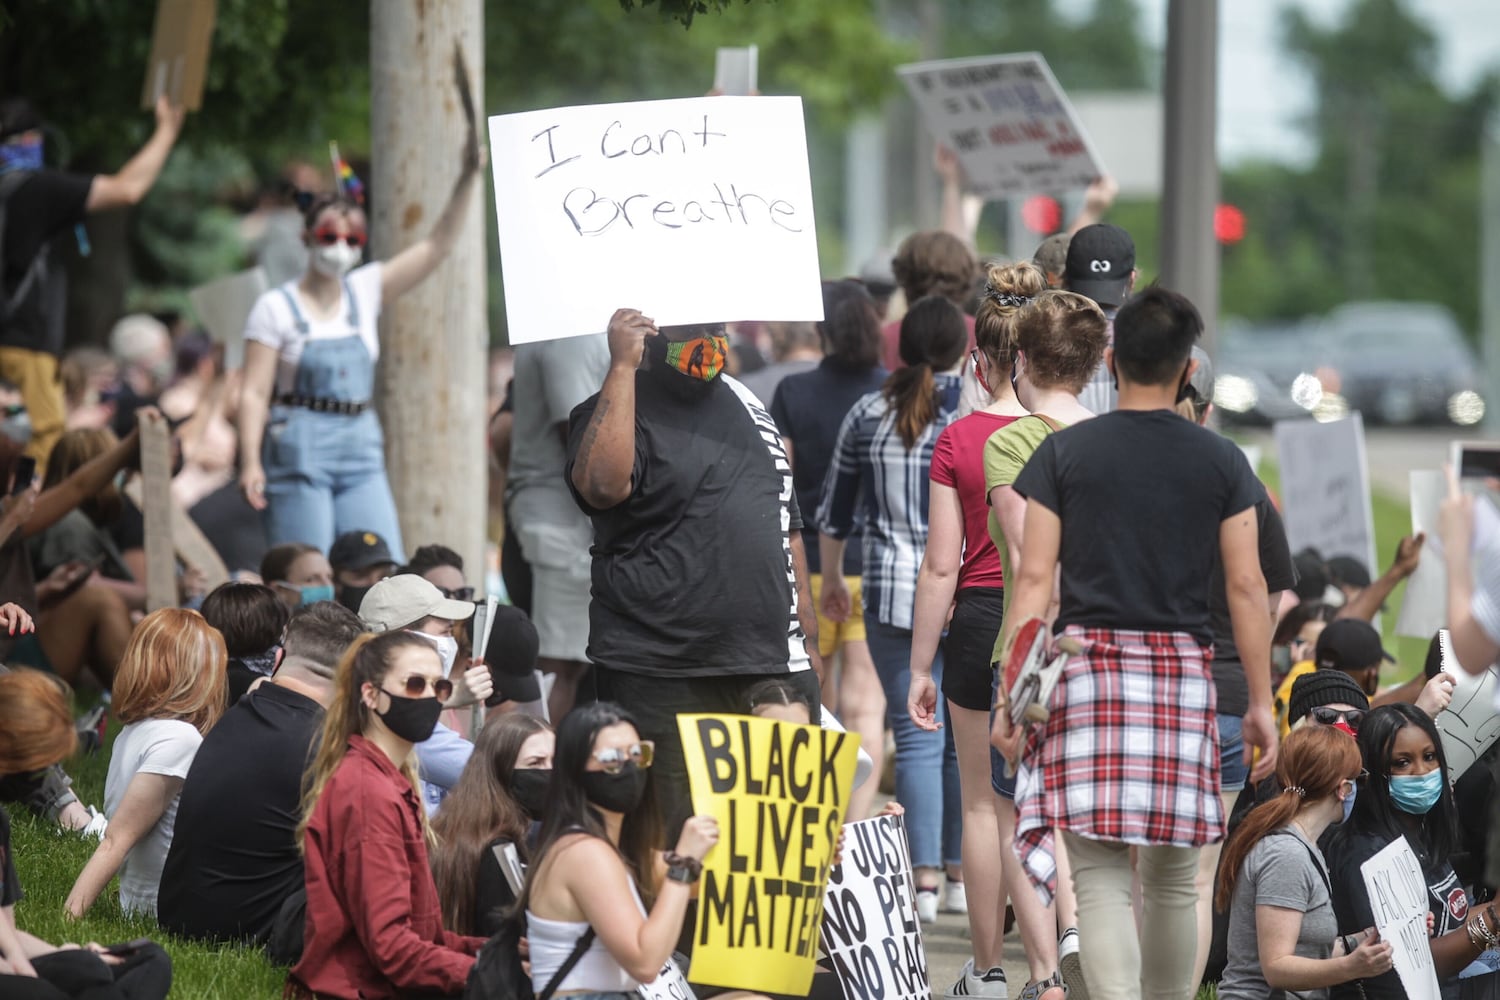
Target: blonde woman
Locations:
point(169, 690)
point(374, 927)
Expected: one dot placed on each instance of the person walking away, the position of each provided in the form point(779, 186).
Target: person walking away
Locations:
point(1100, 264)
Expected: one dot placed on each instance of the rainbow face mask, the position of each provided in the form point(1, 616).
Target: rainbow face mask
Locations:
point(701, 358)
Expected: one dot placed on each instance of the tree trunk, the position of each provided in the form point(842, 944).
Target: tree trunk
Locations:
point(431, 384)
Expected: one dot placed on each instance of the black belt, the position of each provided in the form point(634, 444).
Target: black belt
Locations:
point(342, 407)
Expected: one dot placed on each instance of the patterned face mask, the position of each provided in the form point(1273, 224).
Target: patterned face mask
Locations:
point(700, 358)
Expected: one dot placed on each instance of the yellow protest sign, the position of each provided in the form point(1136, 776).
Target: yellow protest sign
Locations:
point(779, 792)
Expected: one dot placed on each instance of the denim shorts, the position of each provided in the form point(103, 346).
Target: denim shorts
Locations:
point(1233, 771)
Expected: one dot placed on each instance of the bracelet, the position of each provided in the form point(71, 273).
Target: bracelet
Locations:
point(1351, 943)
point(681, 868)
point(1476, 936)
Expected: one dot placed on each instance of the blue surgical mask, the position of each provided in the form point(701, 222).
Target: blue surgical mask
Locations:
point(1417, 794)
point(1349, 804)
point(312, 595)
point(23, 155)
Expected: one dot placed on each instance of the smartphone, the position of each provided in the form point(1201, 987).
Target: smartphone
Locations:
point(128, 948)
point(1476, 459)
point(735, 70)
point(25, 473)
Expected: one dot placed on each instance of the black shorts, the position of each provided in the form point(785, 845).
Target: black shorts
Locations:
point(969, 647)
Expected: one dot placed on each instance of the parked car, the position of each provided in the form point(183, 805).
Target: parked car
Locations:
point(1267, 372)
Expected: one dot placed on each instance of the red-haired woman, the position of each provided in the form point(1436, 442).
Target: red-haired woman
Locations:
point(169, 690)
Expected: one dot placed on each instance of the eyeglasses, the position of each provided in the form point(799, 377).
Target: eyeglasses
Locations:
point(417, 685)
point(458, 594)
point(614, 759)
point(328, 237)
point(1328, 716)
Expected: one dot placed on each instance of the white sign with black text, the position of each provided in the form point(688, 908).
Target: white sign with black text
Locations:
point(1325, 488)
point(1398, 899)
point(870, 927)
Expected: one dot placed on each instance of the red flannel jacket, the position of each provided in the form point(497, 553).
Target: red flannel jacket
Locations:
point(374, 929)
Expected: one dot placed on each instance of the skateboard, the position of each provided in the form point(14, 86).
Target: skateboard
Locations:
point(1032, 665)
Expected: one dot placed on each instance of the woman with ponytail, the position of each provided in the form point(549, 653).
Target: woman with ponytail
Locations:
point(374, 928)
point(1283, 935)
point(879, 475)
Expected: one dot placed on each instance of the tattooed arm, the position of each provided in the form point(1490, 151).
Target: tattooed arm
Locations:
point(605, 461)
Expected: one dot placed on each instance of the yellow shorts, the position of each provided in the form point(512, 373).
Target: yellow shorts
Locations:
point(832, 634)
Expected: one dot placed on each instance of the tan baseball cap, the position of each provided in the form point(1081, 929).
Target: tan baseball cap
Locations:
point(403, 600)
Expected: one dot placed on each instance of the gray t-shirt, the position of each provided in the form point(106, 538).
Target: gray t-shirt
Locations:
point(1283, 870)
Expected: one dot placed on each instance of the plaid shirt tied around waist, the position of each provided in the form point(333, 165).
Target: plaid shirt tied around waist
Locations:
point(1129, 753)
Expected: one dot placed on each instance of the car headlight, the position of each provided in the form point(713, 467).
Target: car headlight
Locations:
point(1307, 391)
point(1235, 393)
point(1331, 407)
point(1466, 408)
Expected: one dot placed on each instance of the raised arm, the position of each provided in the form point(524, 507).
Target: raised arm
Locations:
point(405, 270)
point(89, 479)
point(135, 178)
point(603, 468)
point(1368, 602)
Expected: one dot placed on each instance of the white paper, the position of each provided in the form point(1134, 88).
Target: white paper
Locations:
point(1425, 606)
point(692, 211)
point(735, 71)
point(1009, 122)
point(1325, 488)
point(1398, 898)
point(668, 985)
point(223, 306)
point(1470, 724)
point(870, 928)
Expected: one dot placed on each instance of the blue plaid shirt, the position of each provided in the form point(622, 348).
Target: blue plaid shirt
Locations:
point(873, 468)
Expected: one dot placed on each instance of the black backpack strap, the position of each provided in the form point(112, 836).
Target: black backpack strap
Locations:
point(583, 945)
point(1317, 865)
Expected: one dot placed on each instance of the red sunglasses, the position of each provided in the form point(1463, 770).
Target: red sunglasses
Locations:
point(328, 237)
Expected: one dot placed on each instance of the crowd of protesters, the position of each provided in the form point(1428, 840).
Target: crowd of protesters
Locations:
point(317, 758)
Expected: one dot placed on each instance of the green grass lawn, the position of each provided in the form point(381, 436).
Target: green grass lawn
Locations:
point(48, 861)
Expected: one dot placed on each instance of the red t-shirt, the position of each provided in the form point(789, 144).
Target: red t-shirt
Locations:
point(892, 334)
point(958, 461)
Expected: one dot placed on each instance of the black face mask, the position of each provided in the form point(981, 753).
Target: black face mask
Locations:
point(412, 719)
point(620, 793)
point(351, 597)
point(529, 785)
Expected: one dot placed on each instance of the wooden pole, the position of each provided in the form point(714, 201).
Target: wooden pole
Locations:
point(434, 340)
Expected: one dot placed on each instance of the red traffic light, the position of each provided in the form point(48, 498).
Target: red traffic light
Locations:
point(1229, 224)
point(1041, 214)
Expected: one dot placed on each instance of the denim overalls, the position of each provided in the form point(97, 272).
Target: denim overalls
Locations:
point(325, 471)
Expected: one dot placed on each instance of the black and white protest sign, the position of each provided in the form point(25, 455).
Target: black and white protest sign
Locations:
point(870, 928)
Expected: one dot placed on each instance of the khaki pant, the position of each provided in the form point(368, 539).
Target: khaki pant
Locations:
point(35, 374)
point(1118, 962)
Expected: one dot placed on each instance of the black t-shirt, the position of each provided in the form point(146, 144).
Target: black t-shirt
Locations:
point(234, 856)
point(10, 884)
point(692, 573)
point(1346, 850)
point(1141, 495)
point(1280, 573)
point(37, 213)
point(809, 408)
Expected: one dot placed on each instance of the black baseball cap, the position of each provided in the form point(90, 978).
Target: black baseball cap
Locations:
point(1347, 571)
point(359, 550)
point(1350, 644)
point(1101, 260)
point(511, 656)
point(1201, 385)
point(17, 115)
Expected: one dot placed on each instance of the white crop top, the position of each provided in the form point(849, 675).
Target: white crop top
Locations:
point(552, 941)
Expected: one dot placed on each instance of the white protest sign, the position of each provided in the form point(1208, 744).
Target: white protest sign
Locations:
point(870, 928)
point(1325, 487)
point(1008, 120)
point(223, 306)
point(669, 984)
point(1470, 725)
point(1424, 608)
point(692, 211)
point(1398, 898)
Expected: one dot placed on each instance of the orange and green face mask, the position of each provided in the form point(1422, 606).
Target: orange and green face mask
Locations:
point(701, 358)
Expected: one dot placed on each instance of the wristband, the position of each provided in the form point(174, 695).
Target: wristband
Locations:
point(681, 868)
point(1351, 942)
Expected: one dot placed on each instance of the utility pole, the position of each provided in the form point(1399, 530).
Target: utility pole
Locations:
point(434, 340)
point(1190, 185)
point(1489, 273)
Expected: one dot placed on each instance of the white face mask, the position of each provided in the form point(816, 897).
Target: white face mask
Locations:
point(447, 648)
point(335, 260)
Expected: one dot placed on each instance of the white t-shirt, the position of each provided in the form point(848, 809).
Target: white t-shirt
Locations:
point(271, 321)
point(155, 746)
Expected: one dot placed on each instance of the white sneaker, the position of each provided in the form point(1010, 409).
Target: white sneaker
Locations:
point(958, 899)
point(1071, 965)
point(927, 905)
point(990, 985)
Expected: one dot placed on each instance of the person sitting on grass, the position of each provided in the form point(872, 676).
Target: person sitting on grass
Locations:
point(36, 732)
point(252, 618)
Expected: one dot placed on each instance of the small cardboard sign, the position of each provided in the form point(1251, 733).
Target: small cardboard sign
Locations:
point(156, 509)
point(178, 66)
point(1398, 898)
point(1325, 487)
point(870, 927)
point(1008, 120)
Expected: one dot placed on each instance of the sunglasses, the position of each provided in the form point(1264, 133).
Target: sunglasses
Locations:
point(417, 685)
point(614, 759)
point(458, 594)
point(1328, 716)
point(328, 237)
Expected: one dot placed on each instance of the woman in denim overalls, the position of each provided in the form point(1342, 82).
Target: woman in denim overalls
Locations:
point(316, 467)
